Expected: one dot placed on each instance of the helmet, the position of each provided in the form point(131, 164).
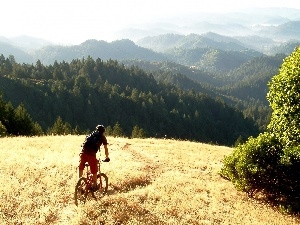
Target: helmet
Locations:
point(100, 128)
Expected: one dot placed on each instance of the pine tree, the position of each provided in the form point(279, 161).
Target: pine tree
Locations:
point(117, 130)
point(3, 131)
point(59, 127)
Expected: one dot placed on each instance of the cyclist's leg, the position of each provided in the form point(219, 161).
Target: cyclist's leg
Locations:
point(94, 168)
point(82, 161)
point(95, 180)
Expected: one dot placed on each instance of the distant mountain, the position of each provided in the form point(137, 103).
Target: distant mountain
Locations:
point(243, 23)
point(285, 48)
point(265, 15)
point(258, 43)
point(26, 43)
point(117, 50)
point(4, 39)
point(263, 39)
point(258, 29)
point(229, 29)
point(286, 31)
point(163, 43)
point(20, 56)
point(210, 52)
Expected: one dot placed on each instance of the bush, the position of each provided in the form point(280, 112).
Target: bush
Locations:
point(284, 99)
point(251, 165)
point(289, 179)
point(262, 165)
point(270, 163)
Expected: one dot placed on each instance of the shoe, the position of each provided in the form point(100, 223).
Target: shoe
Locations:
point(95, 188)
point(81, 191)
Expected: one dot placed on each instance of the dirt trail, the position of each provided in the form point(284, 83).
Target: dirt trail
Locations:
point(153, 166)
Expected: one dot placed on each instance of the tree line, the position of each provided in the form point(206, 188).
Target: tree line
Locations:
point(76, 96)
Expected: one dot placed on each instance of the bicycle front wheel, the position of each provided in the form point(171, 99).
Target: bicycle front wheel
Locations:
point(102, 180)
point(80, 191)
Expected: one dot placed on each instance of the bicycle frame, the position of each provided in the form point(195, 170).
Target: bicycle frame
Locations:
point(85, 185)
point(89, 176)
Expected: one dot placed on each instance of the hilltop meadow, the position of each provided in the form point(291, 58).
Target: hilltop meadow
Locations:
point(151, 181)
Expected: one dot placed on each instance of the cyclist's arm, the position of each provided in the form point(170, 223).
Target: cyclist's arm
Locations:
point(106, 151)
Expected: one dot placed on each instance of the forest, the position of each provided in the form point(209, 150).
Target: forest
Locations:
point(73, 97)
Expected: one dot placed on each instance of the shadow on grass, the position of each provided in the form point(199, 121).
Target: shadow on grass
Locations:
point(129, 185)
point(120, 210)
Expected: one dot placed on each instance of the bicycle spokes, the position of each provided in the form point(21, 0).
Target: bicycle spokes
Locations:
point(81, 191)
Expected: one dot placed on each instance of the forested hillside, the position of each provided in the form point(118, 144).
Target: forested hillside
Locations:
point(89, 91)
point(244, 87)
point(234, 70)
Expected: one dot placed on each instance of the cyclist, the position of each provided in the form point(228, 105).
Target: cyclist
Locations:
point(89, 149)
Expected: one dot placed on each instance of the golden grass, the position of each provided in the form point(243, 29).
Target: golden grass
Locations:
point(151, 181)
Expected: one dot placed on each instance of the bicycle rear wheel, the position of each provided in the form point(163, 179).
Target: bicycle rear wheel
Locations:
point(80, 191)
point(103, 180)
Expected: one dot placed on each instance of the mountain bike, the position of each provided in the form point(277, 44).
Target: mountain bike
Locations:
point(84, 185)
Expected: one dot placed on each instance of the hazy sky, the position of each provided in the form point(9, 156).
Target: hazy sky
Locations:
point(74, 21)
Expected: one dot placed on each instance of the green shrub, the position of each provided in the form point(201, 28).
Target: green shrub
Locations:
point(250, 167)
point(289, 179)
point(262, 165)
point(270, 163)
point(284, 98)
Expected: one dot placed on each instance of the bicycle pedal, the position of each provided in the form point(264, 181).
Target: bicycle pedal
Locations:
point(93, 189)
point(81, 191)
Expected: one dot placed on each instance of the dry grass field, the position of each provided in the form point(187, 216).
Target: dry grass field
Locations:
point(151, 181)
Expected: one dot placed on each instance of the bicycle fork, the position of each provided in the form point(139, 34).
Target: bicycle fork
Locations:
point(91, 181)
